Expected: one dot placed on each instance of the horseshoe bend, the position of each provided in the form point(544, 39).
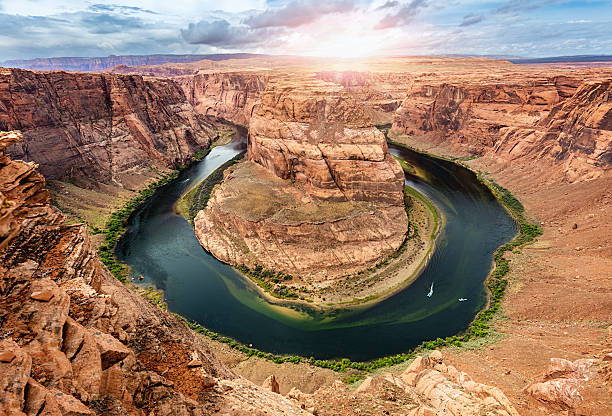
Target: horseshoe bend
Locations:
point(292, 235)
point(319, 197)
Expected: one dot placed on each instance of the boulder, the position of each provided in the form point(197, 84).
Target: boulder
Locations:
point(271, 384)
point(111, 350)
point(14, 376)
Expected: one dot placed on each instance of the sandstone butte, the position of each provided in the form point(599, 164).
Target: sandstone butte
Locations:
point(319, 196)
point(544, 132)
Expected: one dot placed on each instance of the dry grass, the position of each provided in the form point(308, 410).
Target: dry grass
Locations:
point(258, 195)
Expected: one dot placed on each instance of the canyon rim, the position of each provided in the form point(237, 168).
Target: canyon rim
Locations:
point(319, 188)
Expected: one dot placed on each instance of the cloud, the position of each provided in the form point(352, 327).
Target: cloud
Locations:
point(298, 13)
point(82, 34)
point(471, 19)
point(388, 5)
point(403, 16)
point(517, 6)
point(106, 8)
point(217, 33)
point(221, 33)
point(103, 23)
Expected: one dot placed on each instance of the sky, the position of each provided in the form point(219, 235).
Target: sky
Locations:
point(336, 28)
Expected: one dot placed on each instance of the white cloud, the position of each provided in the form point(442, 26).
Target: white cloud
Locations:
point(42, 28)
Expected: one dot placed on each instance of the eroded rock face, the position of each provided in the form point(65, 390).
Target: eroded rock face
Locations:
point(429, 386)
point(319, 197)
point(92, 346)
point(323, 141)
point(224, 94)
point(561, 386)
point(106, 127)
point(558, 119)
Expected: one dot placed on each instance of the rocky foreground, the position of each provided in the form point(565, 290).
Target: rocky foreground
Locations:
point(542, 132)
point(75, 341)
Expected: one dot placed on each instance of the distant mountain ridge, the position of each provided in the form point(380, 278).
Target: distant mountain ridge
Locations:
point(101, 63)
point(561, 59)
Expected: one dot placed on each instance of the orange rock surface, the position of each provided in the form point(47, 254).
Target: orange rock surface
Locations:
point(94, 346)
point(329, 201)
point(541, 131)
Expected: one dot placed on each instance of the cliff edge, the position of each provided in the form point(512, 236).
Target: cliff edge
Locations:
point(318, 198)
point(73, 340)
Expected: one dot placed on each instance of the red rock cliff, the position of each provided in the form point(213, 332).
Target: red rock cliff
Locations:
point(229, 95)
point(321, 138)
point(555, 119)
point(75, 341)
point(320, 196)
point(107, 127)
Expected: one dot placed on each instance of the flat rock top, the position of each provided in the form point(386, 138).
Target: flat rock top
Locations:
point(255, 194)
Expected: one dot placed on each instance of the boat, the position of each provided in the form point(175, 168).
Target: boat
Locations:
point(462, 299)
point(141, 277)
point(430, 291)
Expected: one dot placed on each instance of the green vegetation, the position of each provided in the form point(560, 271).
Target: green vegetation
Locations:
point(115, 227)
point(340, 365)
point(497, 282)
point(434, 212)
point(353, 378)
point(154, 295)
point(195, 200)
point(270, 280)
point(408, 168)
point(478, 329)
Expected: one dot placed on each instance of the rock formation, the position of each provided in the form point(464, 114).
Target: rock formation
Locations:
point(428, 387)
point(558, 119)
point(560, 387)
point(108, 128)
point(75, 341)
point(231, 95)
point(319, 195)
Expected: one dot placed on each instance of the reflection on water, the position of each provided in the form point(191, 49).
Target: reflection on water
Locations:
point(161, 245)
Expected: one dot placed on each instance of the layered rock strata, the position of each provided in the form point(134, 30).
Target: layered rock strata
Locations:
point(74, 341)
point(110, 128)
point(558, 119)
point(319, 195)
point(230, 95)
point(429, 386)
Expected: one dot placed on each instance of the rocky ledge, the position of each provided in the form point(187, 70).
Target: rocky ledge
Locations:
point(320, 196)
point(75, 341)
point(557, 120)
point(109, 128)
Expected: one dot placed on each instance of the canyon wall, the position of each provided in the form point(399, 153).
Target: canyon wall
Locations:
point(319, 197)
point(229, 95)
point(106, 127)
point(75, 341)
point(321, 138)
point(559, 119)
point(101, 63)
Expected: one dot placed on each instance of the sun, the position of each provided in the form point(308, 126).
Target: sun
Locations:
point(346, 45)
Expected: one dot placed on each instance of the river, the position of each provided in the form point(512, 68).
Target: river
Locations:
point(161, 245)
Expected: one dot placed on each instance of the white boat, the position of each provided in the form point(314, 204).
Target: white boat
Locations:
point(430, 291)
point(462, 299)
